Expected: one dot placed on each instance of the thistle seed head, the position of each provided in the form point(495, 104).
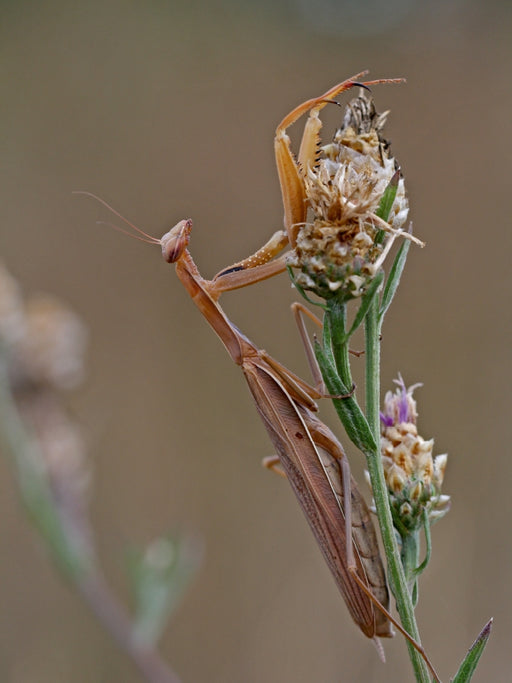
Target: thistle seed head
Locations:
point(337, 252)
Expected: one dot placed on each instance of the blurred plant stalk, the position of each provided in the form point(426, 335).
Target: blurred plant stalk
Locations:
point(42, 346)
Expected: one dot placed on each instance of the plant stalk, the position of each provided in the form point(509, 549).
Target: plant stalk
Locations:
point(396, 574)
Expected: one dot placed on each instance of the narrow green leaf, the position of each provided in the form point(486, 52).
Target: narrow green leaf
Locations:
point(386, 203)
point(366, 301)
point(302, 291)
point(349, 412)
point(394, 279)
point(470, 661)
point(327, 342)
point(388, 197)
point(428, 544)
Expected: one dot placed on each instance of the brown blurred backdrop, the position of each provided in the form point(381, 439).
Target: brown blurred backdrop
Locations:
point(167, 110)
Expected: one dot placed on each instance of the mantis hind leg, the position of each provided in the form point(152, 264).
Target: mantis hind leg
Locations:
point(272, 463)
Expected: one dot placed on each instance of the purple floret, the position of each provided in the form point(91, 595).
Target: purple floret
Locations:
point(386, 420)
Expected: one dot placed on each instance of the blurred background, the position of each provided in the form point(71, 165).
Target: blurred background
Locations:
point(168, 110)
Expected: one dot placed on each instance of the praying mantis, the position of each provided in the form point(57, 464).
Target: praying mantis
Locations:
point(311, 457)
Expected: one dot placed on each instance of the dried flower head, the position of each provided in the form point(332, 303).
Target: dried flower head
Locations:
point(44, 340)
point(54, 343)
point(339, 252)
point(413, 476)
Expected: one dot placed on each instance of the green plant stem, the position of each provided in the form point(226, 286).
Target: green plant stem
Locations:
point(339, 340)
point(396, 572)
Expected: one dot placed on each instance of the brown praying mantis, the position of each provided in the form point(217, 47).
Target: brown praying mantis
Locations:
point(312, 458)
point(309, 453)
